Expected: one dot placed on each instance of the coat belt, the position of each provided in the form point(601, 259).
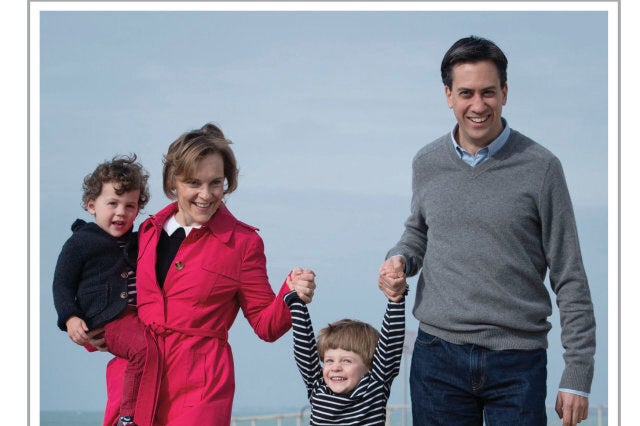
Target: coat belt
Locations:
point(152, 375)
point(164, 330)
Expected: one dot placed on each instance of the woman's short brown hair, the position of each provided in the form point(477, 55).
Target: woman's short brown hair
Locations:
point(349, 335)
point(184, 153)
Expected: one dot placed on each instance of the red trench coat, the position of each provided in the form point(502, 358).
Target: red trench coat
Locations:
point(219, 269)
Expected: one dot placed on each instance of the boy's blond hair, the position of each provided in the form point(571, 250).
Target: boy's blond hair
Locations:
point(349, 335)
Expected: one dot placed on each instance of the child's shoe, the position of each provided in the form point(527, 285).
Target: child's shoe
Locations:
point(126, 421)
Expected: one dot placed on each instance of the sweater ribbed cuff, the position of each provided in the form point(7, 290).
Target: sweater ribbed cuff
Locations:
point(578, 377)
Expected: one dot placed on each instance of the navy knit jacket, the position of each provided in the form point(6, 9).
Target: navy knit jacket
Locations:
point(90, 280)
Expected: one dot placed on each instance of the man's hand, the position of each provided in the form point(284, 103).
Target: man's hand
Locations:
point(392, 280)
point(571, 408)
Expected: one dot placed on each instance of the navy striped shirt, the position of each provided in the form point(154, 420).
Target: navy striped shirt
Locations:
point(366, 404)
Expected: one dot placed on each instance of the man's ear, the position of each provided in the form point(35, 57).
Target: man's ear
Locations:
point(447, 93)
point(505, 89)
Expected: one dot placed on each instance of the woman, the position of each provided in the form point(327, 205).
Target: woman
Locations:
point(191, 287)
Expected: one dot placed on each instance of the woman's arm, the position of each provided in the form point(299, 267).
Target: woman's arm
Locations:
point(268, 315)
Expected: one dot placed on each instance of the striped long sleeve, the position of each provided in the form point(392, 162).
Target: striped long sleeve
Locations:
point(366, 404)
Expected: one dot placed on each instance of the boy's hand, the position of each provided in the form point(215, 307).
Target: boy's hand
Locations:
point(303, 282)
point(77, 330)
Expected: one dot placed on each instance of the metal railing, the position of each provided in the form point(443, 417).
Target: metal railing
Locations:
point(396, 415)
point(277, 419)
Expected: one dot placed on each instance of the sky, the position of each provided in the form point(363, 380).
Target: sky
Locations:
point(326, 110)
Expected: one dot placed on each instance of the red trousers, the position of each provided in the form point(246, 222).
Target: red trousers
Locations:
point(125, 338)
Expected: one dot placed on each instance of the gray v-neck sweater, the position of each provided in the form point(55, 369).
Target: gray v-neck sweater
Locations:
point(485, 238)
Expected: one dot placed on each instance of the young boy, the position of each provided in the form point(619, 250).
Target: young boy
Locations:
point(94, 283)
point(353, 384)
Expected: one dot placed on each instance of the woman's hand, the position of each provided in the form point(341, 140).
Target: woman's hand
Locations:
point(96, 339)
point(303, 282)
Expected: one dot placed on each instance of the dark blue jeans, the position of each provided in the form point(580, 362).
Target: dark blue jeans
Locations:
point(462, 385)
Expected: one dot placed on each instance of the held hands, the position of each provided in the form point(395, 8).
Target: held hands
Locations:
point(572, 408)
point(392, 280)
point(77, 330)
point(303, 282)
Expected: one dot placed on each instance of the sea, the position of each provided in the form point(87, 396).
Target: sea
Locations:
point(398, 417)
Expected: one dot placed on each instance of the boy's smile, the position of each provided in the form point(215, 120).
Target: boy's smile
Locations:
point(342, 370)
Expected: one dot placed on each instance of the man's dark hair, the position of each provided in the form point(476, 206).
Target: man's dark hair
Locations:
point(473, 49)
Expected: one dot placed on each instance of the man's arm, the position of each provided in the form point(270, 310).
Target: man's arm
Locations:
point(406, 257)
point(569, 282)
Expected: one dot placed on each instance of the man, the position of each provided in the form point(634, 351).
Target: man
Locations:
point(490, 215)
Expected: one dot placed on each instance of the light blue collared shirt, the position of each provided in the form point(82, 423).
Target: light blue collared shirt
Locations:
point(486, 152)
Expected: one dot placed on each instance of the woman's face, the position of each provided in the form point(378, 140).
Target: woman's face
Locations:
point(200, 195)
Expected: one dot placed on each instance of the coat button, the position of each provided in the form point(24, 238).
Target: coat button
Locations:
point(123, 295)
point(124, 275)
point(179, 266)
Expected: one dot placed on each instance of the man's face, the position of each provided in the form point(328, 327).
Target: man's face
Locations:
point(476, 99)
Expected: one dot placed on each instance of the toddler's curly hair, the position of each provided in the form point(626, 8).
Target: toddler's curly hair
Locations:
point(124, 172)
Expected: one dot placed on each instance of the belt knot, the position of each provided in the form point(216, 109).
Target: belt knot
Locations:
point(160, 329)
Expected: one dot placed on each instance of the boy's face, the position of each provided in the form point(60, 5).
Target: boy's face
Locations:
point(343, 370)
point(114, 213)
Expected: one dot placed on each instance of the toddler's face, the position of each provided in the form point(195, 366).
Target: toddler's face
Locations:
point(114, 213)
point(343, 370)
